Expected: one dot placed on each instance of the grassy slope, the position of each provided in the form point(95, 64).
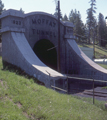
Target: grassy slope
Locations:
point(100, 52)
point(22, 99)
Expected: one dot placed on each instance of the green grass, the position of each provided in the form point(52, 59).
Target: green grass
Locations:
point(103, 65)
point(100, 52)
point(22, 99)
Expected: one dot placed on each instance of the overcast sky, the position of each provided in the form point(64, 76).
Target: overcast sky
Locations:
point(49, 6)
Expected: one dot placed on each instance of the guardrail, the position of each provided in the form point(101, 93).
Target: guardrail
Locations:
point(59, 88)
point(83, 79)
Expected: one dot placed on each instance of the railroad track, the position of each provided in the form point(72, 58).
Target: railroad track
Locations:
point(96, 93)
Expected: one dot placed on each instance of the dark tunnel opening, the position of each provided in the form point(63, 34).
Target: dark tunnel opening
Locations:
point(48, 57)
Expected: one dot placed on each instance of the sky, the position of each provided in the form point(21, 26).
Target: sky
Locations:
point(49, 6)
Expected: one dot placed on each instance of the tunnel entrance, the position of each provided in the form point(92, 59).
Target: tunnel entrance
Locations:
point(48, 57)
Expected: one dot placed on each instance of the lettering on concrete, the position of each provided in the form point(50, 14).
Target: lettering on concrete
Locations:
point(16, 22)
point(43, 21)
point(42, 32)
point(69, 30)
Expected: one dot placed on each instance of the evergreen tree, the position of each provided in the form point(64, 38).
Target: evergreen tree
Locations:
point(91, 18)
point(1, 7)
point(1, 10)
point(75, 18)
point(102, 30)
point(21, 10)
point(65, 18)
point(72, 16)
point(85, 31)
point(56, 11)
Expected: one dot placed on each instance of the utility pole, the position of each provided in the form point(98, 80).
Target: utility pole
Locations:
point(93, 45)
point(58, 55)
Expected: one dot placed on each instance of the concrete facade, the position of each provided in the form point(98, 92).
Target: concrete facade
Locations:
point(20, 33)
point(39, 25)
point(17, 51)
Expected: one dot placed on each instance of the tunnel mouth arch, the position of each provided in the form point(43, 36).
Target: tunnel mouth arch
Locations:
point(45, 54)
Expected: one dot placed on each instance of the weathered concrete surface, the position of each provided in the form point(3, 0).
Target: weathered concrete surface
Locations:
point(17, 51)
point(85, 65)
point(23, 57)
point(20, 32)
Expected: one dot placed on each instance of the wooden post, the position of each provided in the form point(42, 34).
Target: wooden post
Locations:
point(93, 87)
point(67, 85)
point(93, 90)
point(93, 45)
point(58, 63)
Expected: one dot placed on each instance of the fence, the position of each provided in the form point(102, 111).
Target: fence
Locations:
point(82, 79)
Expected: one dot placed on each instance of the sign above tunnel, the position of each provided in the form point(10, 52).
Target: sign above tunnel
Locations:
point(39, 21)
point(39, 25)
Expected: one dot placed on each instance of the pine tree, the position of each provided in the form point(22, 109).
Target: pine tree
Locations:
point(75, 18)
point(1, 10)
point(72, 16)
point(1, 7)
point(65, 18)
point(21, 10)
point(91, 18)
point(56, 11)
point(102, 30)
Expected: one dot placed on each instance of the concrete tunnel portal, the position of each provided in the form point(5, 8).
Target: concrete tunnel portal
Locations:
point(45, 54)
point(19, 33)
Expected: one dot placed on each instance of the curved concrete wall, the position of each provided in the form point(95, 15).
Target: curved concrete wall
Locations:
point(17, 50)
point(39, 25)
point(22, 56)
point(83, 65)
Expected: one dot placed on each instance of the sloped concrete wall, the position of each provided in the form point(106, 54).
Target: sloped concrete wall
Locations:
point(17, 51)
point(83, 65)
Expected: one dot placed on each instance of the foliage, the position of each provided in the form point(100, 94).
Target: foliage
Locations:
point(65, 18)
point(21, 10)
point(1, 10)
point(56, 11)
point(100, 52)
point(94, 31)
point(91, 19)
point(102, 30)
point(79, 29)
point(103, 65)
point(1, 7)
